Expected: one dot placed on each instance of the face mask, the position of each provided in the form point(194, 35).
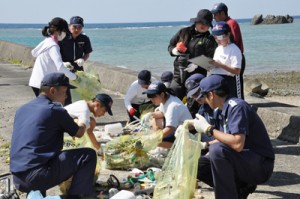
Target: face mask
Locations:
point(220, 37)
point(61, 36)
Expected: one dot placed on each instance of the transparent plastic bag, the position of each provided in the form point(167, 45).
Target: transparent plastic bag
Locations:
point(88, 85)
point(177, 179)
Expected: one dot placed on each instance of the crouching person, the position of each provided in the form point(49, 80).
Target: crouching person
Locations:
point(243, 157)
point(169, 115)
point(37, 161)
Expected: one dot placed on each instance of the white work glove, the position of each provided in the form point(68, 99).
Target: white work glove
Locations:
point(175, 51)
point(204, 145)
point(200, 124)
point(79, 62)
point(191, 67)
point(68, 65)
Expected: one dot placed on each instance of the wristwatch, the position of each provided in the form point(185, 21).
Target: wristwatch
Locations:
point(210, 131)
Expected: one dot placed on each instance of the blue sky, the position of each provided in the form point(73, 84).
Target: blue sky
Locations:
point(114, 11)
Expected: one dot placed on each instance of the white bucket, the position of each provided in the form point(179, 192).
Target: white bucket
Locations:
point(113, 129)
point(123, 194)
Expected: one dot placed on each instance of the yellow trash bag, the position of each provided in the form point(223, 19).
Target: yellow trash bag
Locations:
point(177, 180)
point(74, 143)
point(88, 85)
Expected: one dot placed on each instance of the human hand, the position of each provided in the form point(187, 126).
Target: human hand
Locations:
point(201, 125)
point(191, 68)
point(79, 62)
point(68, 65)
point(181, 47)
point(132, 111)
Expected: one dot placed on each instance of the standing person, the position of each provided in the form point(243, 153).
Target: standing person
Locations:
point(134, 99)
point(48, 57)
point(82, 109)
point(37, 161)
point(227, 58)
point(243, 157)
point(190, 42)
point(220, 12)
point(171, 112)
point(76, 48)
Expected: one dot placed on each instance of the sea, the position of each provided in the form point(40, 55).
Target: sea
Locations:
point(138, 46)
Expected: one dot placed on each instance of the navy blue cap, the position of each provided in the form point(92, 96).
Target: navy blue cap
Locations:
point(166, 76)
point(56, 79)
point(192, 84)
point(219, 7)
point(212, 83)
point(156, 88)
point(144, 77)
point(76, 21)
point(204, 16)
point(106, 100)
point(220, 28)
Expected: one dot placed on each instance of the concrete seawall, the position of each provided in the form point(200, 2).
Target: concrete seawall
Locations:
point(282, 120)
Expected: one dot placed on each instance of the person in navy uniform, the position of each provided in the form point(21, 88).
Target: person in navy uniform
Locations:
point(242, 155)
point(76, 48)
point(37, 161)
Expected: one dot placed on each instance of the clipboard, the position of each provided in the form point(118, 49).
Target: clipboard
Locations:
point(202, 61)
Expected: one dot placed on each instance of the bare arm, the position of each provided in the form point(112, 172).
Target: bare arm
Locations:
point(230, 69)
point(92, 135)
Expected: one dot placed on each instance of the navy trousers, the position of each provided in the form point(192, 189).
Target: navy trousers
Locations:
point(227, 170)
point(79, 163)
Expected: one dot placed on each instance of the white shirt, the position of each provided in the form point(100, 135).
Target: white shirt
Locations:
point(134, 95)
point(79, 110)
point(175, 112)
point(48, 60)
point(229, 55)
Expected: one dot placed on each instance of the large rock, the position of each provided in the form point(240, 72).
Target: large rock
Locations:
point(271, 19)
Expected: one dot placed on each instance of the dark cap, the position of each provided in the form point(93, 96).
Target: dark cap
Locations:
point(155, 88)
point(144, 77)
point(192, 84)
point(76, 21)
point(106, 100)
point(212, 83)
point(219, 7)
point(166, 76)
point(220, 28)
point(60, 24)
point(56, 79)
point(204, 16)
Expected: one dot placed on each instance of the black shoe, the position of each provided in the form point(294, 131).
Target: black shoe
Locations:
point(245, 191)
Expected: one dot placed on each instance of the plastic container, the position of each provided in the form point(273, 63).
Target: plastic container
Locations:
point(123, 194)
point(113, 129)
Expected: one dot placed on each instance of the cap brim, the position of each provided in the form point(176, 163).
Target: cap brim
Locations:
point(196, 20)
point(76, 24)
point(140, 81)
point(71, 86)
point(193, 91)
point(200, 96)
point(151, 92)
point(109, 111)
point(214, 11)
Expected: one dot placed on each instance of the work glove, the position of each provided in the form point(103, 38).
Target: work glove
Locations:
point(146, 118)
point(68, 65)
point(204, 145)
point(181, 47)
point(191, 68)
point(132, 111)
point(79, 62)
point(201, 125)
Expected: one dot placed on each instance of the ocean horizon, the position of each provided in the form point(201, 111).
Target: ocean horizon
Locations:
point(138, 46)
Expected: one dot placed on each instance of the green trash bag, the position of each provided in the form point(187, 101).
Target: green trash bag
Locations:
point(177, 179)
point(88, 86)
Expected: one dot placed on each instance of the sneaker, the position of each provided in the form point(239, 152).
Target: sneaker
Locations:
point(245, 191)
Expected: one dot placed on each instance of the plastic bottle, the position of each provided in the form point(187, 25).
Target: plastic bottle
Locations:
point(113, 129)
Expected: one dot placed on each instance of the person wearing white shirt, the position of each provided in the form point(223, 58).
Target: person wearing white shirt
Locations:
point(81, 110)
point(134, 97)
point(47, 54)
point(227, 59)
point(170, 114)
